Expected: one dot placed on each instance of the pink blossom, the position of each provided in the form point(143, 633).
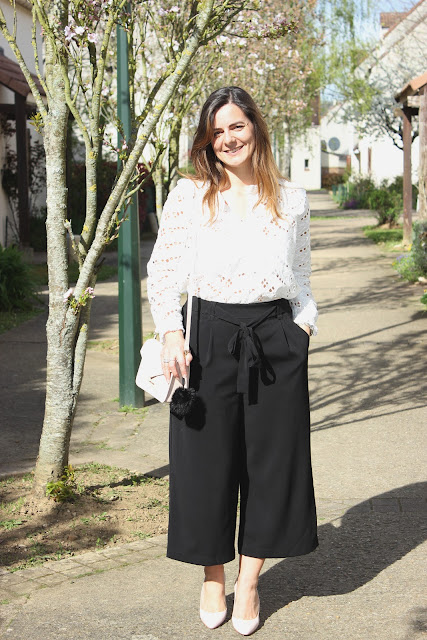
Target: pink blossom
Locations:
point(69, 33)
point(80, 30)
point(93, 37)
point(68, 294)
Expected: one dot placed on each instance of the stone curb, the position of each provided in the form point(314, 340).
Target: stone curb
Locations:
point(51, 573)
point(25, 581)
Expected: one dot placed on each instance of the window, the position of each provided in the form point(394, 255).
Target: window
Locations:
point(306, 167)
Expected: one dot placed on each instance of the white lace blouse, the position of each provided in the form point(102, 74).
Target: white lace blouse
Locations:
point(233, 260)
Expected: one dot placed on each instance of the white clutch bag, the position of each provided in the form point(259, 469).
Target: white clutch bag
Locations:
point(150, 375)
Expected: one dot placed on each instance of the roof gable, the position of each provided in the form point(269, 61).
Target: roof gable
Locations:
point(11, 76)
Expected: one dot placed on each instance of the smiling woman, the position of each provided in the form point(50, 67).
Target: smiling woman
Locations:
point(232, 140)
point(236, 237)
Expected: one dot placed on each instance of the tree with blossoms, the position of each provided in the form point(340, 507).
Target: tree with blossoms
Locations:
point(164, 38)
point(281, 74)
point(271, 51)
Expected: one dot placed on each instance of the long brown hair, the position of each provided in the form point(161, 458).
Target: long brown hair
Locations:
point(210, 171)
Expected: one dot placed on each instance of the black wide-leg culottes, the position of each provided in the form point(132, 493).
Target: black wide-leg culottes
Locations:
point(249, 432)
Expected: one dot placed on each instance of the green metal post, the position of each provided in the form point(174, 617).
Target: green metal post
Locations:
point(130, 320)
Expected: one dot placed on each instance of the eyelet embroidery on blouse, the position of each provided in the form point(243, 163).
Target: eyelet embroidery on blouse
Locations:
point(274, 254)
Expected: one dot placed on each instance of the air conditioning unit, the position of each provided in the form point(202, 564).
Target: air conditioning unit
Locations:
point(334, 144)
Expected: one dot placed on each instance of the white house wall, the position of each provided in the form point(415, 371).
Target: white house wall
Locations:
point(24, 36)
point(386, 159)
point(305, 162)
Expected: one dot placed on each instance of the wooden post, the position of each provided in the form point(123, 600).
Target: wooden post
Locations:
point(22, 155)
point(407, 181)
point(422, 171)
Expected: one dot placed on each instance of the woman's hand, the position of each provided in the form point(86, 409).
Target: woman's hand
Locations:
point(306, 328)
point(174, 361)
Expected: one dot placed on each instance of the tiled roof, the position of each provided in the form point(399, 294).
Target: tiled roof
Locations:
point(12, 77)
point(405, 15)
point(411, 88)
point(391, 18)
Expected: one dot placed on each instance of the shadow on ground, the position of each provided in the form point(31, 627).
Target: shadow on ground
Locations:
point(350, 554)
point(383, 377)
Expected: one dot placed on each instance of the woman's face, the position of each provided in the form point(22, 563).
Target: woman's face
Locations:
point(234, 137)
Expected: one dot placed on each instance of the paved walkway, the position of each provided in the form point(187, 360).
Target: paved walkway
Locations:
point(368, 390)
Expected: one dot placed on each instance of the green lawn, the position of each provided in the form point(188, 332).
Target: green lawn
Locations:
point(11, 319)
point(39, 273)
point(389, 239)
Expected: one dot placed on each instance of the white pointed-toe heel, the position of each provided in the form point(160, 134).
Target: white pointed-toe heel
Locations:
point(245, 627)
point(214, 619)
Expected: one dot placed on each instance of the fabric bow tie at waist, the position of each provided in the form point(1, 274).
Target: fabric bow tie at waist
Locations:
point(245, 346)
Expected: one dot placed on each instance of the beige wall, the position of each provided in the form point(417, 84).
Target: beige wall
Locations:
point(24, 35)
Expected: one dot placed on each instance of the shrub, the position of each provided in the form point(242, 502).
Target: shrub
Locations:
point(331, 179)
point(351, 204)
point(360, 187)
point(387, 203)
point(386, 199)
point(16, 286)
point(396, 185)
point(419, 247)
point(414, 265)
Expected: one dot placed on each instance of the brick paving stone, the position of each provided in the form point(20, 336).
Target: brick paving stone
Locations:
point(52, 580)
point(104, 565)
point(417, 505)
point(62, 565)
point(90, 556)
point(363, 507)
point(34, 572)
point(139, 544)
point(145, 554)
point(385, 505)
point(159, 540)
point(11, 578)
point(116, 552)
point(23, 588)
point(77, 571)
point(5, 594)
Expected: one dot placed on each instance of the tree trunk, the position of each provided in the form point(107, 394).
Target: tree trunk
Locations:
point(67, 331)
point(287, 154)
point(62, 324)
point(174, 156)
point(422, 171)
point(158, 183)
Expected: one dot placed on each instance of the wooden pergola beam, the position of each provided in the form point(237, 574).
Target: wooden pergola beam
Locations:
point(422, 167)
point(412, 98)
point(8, 110)
point(407, 175)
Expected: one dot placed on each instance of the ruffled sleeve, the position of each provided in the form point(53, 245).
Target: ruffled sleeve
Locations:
point(168, 268)
point(304, 308)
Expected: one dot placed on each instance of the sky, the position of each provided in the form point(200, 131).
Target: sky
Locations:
point(388, 5)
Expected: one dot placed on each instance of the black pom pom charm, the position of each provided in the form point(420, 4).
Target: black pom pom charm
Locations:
point(182, 402)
